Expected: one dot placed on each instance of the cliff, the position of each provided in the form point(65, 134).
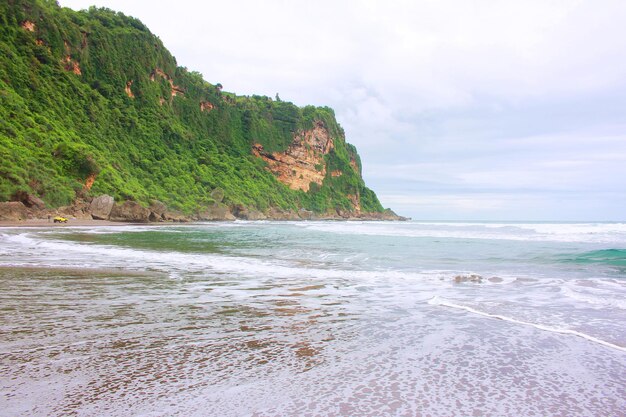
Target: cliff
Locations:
point(92, 103)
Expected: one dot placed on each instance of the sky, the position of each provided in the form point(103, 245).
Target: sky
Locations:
point(460, 109)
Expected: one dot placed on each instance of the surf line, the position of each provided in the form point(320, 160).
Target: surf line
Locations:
point(437, 301)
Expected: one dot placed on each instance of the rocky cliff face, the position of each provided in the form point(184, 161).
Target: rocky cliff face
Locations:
point(302, 163)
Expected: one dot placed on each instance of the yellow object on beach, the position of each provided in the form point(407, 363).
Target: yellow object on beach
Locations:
point(59, 219)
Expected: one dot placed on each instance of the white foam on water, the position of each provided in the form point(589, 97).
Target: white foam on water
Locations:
point(542, 232)
point(438, 301)
point(596, 297)
point(57, 253)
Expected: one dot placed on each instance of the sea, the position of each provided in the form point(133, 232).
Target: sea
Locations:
point(314, 319)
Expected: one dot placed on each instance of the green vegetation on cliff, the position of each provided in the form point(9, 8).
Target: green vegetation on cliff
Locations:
point(91, 102)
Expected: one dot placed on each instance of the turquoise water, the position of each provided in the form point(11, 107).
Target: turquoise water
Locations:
point(314, 318)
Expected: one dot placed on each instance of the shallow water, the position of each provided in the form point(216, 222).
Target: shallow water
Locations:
point(314, 318)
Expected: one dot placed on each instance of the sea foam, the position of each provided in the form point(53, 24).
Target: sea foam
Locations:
point(438, 301)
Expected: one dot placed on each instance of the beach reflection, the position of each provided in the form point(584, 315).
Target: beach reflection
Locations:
point(101, 336)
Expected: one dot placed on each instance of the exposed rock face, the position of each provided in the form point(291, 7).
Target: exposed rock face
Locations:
point(13, 210)
point(78, 210)
point(206, 106)
point(89, 181)
point(355, 166)
point(28, 25)
point(246, 213)
point(158, 207)
point(387, 215)
point(176, 90)
point(157, 211)
point(278, 214)
point(129, 211)
point(217, 211)
point(305, 214)
point(303, 161)
point(71, 65)
point(355, 199)
point(175, 217)
point(29, 200)
point(127, 89)
point(101, 207)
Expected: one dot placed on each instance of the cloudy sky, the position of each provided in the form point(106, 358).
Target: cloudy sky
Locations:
point(460, 109)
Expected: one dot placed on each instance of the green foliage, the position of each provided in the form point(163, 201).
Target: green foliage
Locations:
point(177, 139)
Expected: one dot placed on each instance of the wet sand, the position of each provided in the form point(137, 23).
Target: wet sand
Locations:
point(70, 222)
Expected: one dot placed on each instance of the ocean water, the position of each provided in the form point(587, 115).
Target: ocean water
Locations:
point(314, 319)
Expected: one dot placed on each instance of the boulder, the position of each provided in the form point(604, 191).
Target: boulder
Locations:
point(278, 214)
point(328, 215)
point(255, 215)
point(245, 213)
point(216, 211)
point(129, 211)
point(101, 207)
point(153, 217)
point(305, 214)
point(157, 211)
point(175, 217)
point(157, 207)
point(13, 210)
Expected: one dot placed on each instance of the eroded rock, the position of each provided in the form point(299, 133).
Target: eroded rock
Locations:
point(157, 211)
point(29, 200)
point(305, 214)
point(79, 210)
point(129, 211)
point(171, 216)
point(278, 214)
point(216, 212)
point(245, 213)
point(13, 211)
point(303, 161)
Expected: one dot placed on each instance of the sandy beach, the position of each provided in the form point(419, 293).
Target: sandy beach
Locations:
point(70, 222)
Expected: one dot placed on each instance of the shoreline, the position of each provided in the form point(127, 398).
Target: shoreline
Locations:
point(103, 210)
point(77, 271)
point(71, 222)
point(48, 223)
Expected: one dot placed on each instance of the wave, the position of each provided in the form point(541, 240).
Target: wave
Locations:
point(615, 257)
point(28, 250)
point(34, 250)
point(438, 301)
point(542, 232)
